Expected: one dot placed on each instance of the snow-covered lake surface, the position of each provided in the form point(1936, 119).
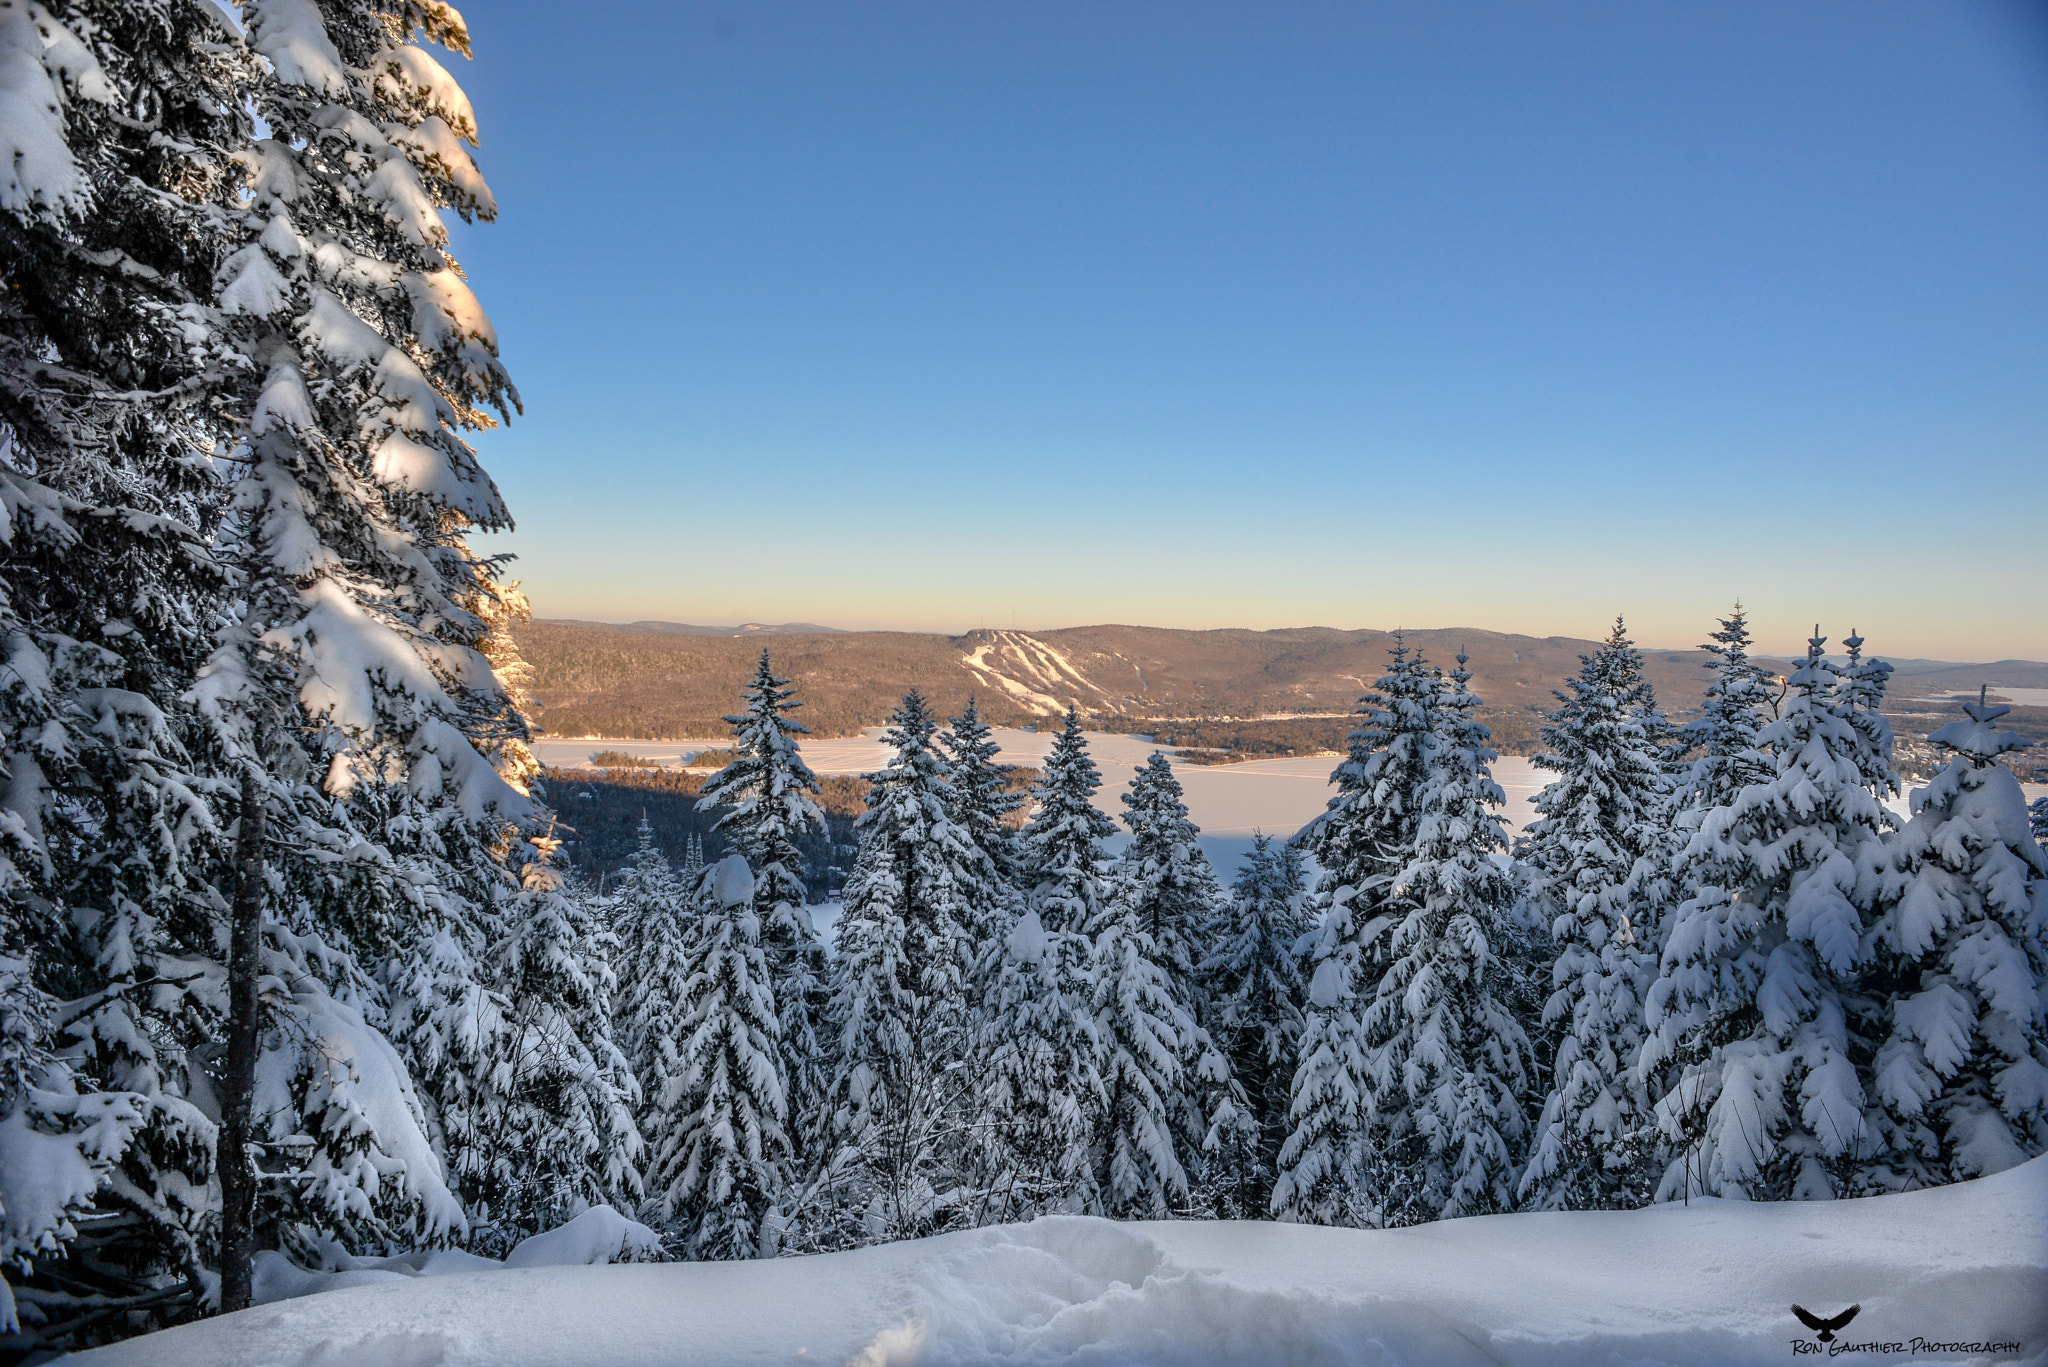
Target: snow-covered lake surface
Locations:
point(1230, 802)
point(1710, 1285)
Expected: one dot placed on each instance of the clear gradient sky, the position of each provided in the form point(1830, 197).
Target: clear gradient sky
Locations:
point(935, 316)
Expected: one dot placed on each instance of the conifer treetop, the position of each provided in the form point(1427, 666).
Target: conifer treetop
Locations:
point(1062, 842)
point(1606, 745)
point(983, 800)
point(1976, 738)
point(767, 790)
point(1376, 781)
point(1740, 702)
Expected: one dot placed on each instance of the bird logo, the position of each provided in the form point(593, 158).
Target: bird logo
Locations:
point(1824, 1330)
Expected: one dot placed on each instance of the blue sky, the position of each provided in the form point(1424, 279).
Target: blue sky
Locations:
point(1515, 317)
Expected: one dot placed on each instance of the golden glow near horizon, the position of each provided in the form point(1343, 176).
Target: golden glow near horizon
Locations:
point(1779, 627)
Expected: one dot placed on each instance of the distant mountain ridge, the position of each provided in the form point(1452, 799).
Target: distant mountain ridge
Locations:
point(685, 629)
point(632, 682)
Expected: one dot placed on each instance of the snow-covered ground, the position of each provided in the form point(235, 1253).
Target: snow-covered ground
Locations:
point(1710, 1285)
point(1228, 801)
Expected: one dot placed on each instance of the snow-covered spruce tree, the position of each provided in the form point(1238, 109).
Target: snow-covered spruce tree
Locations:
point(351, 691)
point(510, 1041)
point(982, 805)
point(767, 796)
point(1163, 878)
point(900, 1019)
point(117, 126)
point(560, 1135)
point(1448, 1073)
point(1957, 962)
point(1252, 983)
point(185, 353)
point(648, 915)
point(1148, 941)
point(1065, 877)
point(1145, 1115)
point(502, 606)
point(717, 1173)
point(449, 1026)
point(1741, 700)
point(51, 1166)
point(1752, 1016)
point(59, 1147)
point(1602, 814)
point(1365, 838)
point(1861, 697)
point(1040, 1080)
point(766, 793)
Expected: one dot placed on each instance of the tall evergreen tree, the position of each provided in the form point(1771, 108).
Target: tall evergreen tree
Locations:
point(1860, 700)
point(649, 917)
point(1042, 1081)
point(293, 703)
point(1740, 701)
point(1145, 1115)
point(899, 1008)
point(1063, 858)
point(563, 1135)
point(1362, 842)
point(1167, 893)
point(718, 1173)
point(60, 1143)
point(509, 1039)
point(1958, 963)
point(1601, 815)
point(1164, 878)
point(984, 806)
point(1253, 985)
point(351, 690)
point(1753, 1013)
point(983, 801)
point(767, 792)
point(1448, 1071)
point(288, 307)
point(120, 125)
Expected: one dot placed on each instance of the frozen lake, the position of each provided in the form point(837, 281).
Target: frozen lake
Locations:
point(2021, 697)
point(1230, 802)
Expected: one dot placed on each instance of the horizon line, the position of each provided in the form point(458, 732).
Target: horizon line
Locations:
point(803, 628)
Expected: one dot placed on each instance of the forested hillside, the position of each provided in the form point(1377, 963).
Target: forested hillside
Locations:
point(1257, 693)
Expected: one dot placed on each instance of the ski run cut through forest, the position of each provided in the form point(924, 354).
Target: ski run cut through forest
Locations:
point(313, 1048)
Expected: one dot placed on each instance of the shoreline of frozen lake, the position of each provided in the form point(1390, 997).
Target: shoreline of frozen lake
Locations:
point(1230, 802)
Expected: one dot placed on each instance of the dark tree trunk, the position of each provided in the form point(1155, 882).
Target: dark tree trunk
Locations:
point(238, 1090)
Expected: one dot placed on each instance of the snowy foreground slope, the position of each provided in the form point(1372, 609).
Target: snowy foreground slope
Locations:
point(1712, 1284)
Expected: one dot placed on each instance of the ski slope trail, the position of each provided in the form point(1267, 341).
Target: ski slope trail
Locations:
point(1035, 673)
point(1710, 1285)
